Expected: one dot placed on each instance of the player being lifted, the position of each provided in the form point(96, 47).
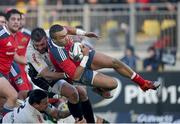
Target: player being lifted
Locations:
point(59, 46)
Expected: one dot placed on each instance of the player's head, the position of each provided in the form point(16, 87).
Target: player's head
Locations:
point(39, 40)
point(129, 50)
point(13, 18)
point(38, 99)
point(2, 19)
point(151, 51)
point(58, 34)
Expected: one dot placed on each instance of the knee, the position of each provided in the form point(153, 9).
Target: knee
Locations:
point(23, 94)
point(113, 85)
point(73, 96)
point(115, 63)
point(82, 94)
point(13, 96)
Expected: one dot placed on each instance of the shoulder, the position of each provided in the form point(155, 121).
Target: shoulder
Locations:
point(26, 31)
point(3, 32)
point(31, 52)
point(31, 48)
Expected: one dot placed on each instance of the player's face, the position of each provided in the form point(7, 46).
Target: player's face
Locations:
point(41, 46)
point(2, 21)
point(14, 23)
point(60, 39)
point(43, 105)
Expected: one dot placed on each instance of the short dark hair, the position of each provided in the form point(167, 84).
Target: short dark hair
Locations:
point(35, 96)
point(37, 34)
point(131, 48)
point(55, 28)
point(11, 12)
point(2, 14)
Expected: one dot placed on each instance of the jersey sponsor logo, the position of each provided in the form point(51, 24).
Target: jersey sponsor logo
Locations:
point(35, 60)
point(21, 47)
point(10, 53)
point(9, 44)
point(19, 81)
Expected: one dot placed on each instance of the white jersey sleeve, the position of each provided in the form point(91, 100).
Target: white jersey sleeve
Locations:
point(35, 58)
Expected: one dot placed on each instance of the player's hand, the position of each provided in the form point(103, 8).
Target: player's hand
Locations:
point(85, 50)
point(91, 35)
point(83, 121)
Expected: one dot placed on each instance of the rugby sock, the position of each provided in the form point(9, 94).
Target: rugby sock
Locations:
point(88, 111)
point(75, 110)
point(138, 79)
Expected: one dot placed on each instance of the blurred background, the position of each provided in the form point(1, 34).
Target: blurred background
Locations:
point(145, 34)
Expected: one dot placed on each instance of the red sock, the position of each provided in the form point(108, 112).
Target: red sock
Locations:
point(139, 80)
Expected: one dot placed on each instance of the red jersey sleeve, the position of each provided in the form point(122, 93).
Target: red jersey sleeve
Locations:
point(68, 67)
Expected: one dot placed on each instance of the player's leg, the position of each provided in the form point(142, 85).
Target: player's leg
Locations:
point(103, 61)
point(104, 81)
point(86, 104)
point(69, 91)
point(26, 83)
point(7, 91)
point(18, 78)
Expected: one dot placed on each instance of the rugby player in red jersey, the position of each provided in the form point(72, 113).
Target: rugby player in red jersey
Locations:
point(84, 73)
point(8, 48)
point(18, 75)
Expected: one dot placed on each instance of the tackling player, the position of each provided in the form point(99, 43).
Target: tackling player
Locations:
point(31, 110)
point(38, 56)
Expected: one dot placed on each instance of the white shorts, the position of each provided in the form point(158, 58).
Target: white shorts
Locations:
point(57, 86)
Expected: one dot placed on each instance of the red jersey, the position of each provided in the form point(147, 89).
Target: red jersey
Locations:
point(8, 47)
point(23, 38)
point(60, 59)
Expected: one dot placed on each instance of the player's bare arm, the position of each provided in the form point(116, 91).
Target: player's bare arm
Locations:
point(50, 75)
point(20, 59)
point(74, 31)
